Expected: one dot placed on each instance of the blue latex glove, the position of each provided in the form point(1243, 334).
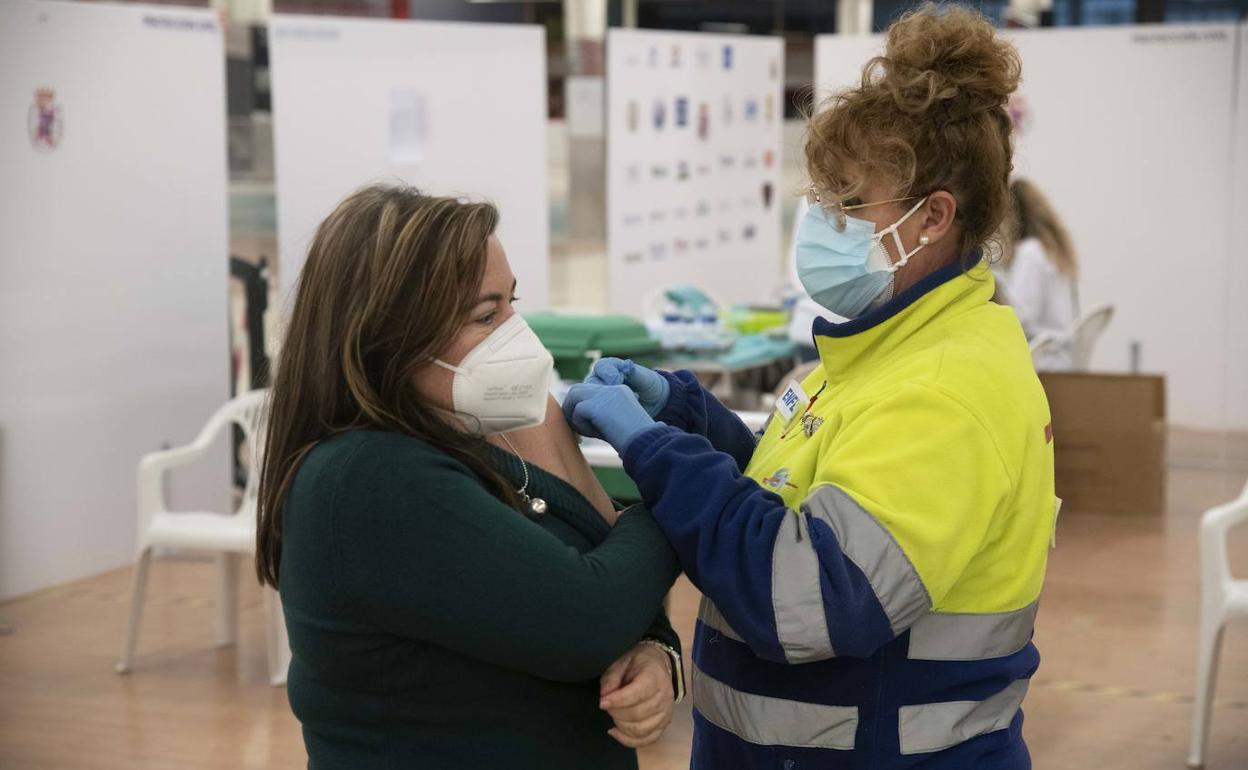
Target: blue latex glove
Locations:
point(609, 412)
point(651, 387)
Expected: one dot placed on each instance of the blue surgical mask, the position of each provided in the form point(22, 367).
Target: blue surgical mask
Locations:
point(847, 269)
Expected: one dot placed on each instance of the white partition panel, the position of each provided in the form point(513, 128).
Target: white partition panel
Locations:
point(450, 108)
point(694, 141)
point(1128, 131)
point(113, 273)
point(1236, 286)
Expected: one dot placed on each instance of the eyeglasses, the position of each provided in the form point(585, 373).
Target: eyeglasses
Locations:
point(836, 210)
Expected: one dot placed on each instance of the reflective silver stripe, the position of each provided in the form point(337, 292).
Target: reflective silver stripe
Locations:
point(871, 547)
point(773, 721)
point(970, 636)
point(937, 726)
point(796, 596)
point(711, 617)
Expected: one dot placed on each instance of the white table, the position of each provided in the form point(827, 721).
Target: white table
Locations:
point(600, 454)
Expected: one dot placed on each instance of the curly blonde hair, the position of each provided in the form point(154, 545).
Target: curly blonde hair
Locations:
point(928, 115)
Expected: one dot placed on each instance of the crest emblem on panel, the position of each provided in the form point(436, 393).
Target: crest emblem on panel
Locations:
point(45, 121)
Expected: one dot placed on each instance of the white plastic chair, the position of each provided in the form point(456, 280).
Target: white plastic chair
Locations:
point(1222, 598)
point(228, 535)
point(1050, 352)
point(1086, 332)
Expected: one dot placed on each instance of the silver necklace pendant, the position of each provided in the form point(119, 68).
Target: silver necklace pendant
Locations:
point(536, 504)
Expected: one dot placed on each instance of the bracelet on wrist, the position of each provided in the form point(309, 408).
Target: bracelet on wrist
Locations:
point(675, 668)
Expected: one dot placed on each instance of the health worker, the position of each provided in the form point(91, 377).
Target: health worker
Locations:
point(871, 562)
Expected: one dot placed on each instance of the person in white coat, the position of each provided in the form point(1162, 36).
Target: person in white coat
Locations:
point(1039, 273)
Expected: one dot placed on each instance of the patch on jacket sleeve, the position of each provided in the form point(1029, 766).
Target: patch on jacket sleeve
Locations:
point(779, 480)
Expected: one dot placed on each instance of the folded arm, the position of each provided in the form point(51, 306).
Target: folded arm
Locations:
point(453, 565)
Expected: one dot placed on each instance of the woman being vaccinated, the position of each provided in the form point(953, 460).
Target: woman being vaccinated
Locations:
point(872, 562)
point(450, 604)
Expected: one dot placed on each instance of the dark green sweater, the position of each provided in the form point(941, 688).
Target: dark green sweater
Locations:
point(434, 627)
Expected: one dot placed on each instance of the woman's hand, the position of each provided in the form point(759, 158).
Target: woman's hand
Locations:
point(637, 693)
point(652, 388)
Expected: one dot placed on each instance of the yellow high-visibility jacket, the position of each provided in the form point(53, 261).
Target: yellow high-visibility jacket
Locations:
point(872, 566)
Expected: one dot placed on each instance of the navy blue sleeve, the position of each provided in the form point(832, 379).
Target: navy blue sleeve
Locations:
point(694, 410)
point(785, 586)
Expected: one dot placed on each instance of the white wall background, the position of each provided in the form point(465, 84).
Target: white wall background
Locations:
point(662, 230)
point(1129, 131)
point(471, 102)
point(113, 276)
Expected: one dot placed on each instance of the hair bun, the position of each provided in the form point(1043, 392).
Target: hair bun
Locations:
point(946, 59)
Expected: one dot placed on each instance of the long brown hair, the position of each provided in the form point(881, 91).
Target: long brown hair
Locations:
point(390, 279)
point(1037, 219)
point(929, 114)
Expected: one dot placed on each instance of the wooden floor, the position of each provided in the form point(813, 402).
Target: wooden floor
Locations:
point(1117, 633)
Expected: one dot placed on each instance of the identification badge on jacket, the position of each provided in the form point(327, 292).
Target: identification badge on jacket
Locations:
point(792, 399)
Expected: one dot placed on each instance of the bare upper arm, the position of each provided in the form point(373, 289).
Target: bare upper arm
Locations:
point(553, 447)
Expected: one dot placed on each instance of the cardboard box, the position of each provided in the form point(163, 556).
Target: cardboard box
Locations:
point(1109, 441)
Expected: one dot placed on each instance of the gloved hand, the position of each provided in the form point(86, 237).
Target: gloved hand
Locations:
point(651, 387)
point(608, 412)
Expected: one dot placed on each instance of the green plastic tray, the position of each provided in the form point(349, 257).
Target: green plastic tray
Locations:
point(572, 338)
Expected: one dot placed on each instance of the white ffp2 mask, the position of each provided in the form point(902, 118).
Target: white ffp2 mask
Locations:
point(503, 383)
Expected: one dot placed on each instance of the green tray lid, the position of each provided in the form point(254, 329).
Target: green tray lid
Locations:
point(568, 335)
